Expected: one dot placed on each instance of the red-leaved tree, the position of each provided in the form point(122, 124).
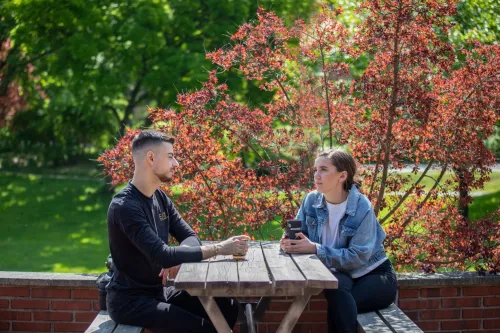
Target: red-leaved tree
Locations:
point(415, 102)
point(11, 100)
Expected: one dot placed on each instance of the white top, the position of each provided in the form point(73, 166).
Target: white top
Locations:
point(331, 229)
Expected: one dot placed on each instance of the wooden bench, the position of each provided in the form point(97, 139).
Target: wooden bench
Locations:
point(104, 324)
point(388, 320)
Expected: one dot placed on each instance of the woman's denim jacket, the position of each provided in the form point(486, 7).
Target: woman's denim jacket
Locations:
point(359, 244)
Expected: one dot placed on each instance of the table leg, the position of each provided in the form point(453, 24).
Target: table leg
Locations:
point(215, 315)
point(293, 314)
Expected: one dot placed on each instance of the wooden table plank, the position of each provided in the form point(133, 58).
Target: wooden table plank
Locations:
point(222, 273)
point(192, 275)
point(252, 271)
point(316, 274)
point(284, 272)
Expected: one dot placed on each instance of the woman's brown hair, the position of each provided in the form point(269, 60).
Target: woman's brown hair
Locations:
point(342, 161)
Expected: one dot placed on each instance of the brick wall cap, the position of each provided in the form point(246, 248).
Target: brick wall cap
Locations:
point(47, 279)
point(446, 279)
point(88, 280)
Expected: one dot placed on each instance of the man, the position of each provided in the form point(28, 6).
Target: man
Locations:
point(140, 219)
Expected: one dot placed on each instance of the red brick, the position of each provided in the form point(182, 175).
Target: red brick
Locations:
point(439, 292)
point(70, 327)
point(491, 301)
point(85, 293)
point(4, 303)
point(460, 324)
point(321, 295)
point(408, 293)
point(318, 305)
point(491, 323)
point(14, 291)
point(29, 304)
point(53, 316)
point(15, 315)
point(273, 317)
point(86, 317)
point(483, 331)
point(413, 315)
point(428, 325)
point(50, 293)
point(319, 327)
point(95, 306)
point(481, 291)
point(419, 304)
point(4, 326)
point(265, 328)
point(466, 302)
point(71, 305)
point(279, 306)
point(31, 327)
point(481, 313)
point(301, 328)
point(440, 314)
point(312, 317)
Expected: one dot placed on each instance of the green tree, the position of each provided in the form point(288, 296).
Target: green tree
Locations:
point(98, 63)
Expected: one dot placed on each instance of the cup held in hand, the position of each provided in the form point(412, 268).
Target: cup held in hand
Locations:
point(240, 256)
point(292, 227)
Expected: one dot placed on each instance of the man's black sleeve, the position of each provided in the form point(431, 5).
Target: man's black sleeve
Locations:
point(179, 228)
point(132, 221)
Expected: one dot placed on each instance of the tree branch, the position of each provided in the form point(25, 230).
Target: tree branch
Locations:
point(325, 82)
point(392, 111)
point(420, 205)
point(407, 193)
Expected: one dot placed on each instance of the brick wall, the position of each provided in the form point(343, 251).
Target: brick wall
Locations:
point(452, 302)
point(457, 308)
point(46, 302)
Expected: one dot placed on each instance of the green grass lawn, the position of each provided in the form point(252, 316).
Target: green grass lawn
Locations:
point(59, 225)
point(52, 225)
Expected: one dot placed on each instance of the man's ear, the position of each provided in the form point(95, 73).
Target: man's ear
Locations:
point(150, 156)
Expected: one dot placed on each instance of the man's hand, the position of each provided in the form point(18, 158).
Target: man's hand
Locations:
point(233, 245)
point(168, 274)
point(301, 245)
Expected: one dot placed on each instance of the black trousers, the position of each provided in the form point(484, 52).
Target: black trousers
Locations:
point(174, 312)
point(373, 291)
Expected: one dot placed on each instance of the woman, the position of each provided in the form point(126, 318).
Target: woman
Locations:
point(340, 227)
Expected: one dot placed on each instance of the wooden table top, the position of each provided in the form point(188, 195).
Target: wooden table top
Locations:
point(266, 271)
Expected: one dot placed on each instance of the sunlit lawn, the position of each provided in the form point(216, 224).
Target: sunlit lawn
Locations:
point(59, 225)
point(52, 225)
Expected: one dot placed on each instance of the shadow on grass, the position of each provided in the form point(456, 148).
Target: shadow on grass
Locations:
point(484, 205)
point(52, 225)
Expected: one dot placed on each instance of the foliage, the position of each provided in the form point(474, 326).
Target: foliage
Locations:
point(11, 100)
point(100, 62)
point(413, 102)
point(408, 103)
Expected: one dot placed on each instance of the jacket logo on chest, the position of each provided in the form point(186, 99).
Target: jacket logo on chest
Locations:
point(163, 216)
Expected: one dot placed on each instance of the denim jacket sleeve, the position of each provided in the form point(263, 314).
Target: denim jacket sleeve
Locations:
point(359, 249)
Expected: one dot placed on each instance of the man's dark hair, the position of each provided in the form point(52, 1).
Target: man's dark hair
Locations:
point(148, 137)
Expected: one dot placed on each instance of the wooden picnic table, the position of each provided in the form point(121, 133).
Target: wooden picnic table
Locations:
point(265, 272)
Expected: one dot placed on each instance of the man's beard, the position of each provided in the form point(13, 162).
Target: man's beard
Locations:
point(164, 178)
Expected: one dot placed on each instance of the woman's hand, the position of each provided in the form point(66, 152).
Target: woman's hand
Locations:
point(301, 245)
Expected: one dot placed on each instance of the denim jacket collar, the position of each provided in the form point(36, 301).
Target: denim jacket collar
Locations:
point(352, 201)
